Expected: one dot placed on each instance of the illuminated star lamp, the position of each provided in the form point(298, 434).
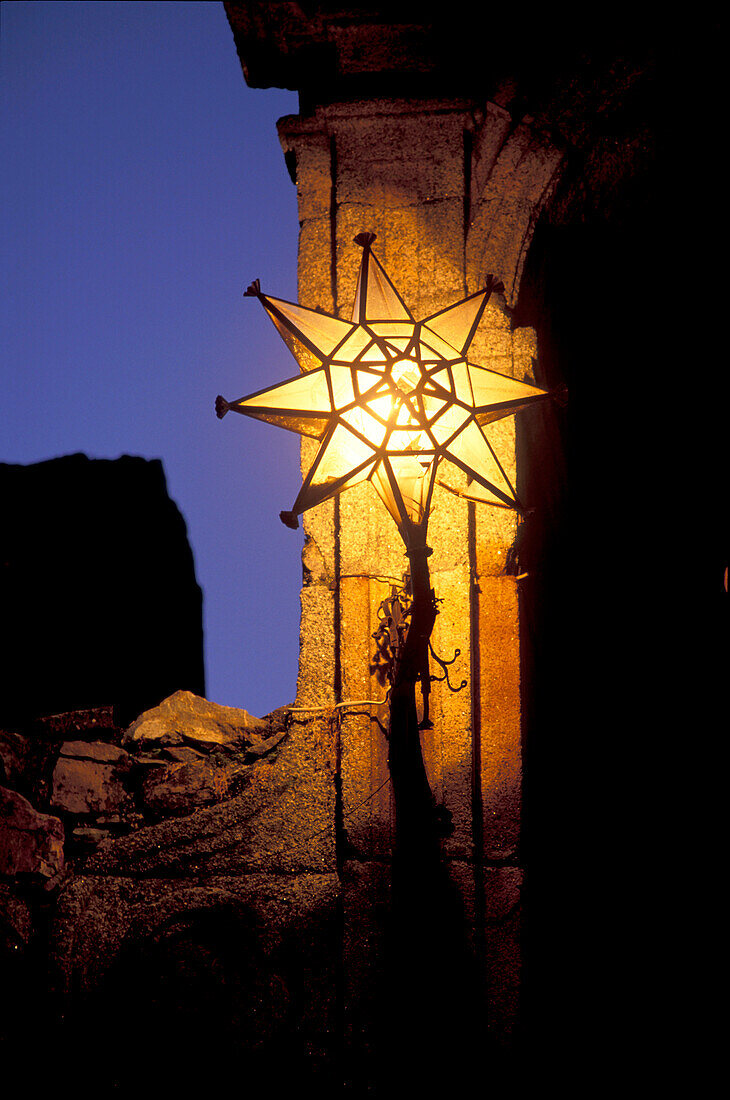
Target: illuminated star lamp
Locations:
point(390, 400)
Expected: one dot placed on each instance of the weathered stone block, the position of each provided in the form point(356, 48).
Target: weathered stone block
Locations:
point(366, 901)
point(369, 541)
point(314, 566)
point(524, 352)
point(317, 647)
point(313, 159)
point(501, 717)
point(30, 842)
point(366, 794)
point(319, 523)
point(187, 719)
point(448, 527)
point(448, 746)
point(89, 778)
point(184, 786)
point(399, 161)
point(84, 724)
point(504, 214)
point(492, 900)
point(492, 127)
point(314, 266)
point(420, 247)
point(16, 921)
point(27, 763)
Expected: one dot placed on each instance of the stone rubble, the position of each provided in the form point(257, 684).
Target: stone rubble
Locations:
point(198, 833)
point(177, 757)
point(31, 843)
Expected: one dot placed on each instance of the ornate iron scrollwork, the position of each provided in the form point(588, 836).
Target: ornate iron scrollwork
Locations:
point(444, 664)
point(394, 614)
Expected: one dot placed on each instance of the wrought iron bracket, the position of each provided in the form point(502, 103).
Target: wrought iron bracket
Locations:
point(444, 666)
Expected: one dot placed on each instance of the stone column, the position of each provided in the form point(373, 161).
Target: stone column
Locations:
point(452, 193)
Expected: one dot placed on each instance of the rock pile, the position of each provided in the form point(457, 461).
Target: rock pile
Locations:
point(74, 780)
point(142, 867)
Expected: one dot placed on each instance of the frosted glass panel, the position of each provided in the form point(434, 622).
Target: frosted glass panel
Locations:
point(353, 346)
point(462, 383)
point(366, 425)
point(308, 392)
point(451, 421)
point(490, 387)
point(323, 331)
point(342, 387)
point(433, 346)
point(472, 448)
point(381, 300)
point(456, 325)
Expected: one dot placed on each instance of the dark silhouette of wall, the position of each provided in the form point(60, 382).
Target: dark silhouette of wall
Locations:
point(97, 584)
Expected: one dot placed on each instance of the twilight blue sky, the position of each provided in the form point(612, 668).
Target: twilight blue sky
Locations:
point(143, 187)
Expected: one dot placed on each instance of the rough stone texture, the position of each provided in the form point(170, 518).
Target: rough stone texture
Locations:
point(187, 719)
point(22, 1002)
point(492, 898)
point(282, 816)
point(234, 975)
point(431, 984)
point(133, 910)
point(447, 747)
point(99, 723)
point(366, 793)
point(89, 778)
point(31, 843)
point(506, 206)
point(183, 786)
point(16, 921)
point(366, 903)
point(27, 763)
point(317, 651)
point(14, 751)
point(501, 756)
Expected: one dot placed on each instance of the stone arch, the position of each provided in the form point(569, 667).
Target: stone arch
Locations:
point(506, 202)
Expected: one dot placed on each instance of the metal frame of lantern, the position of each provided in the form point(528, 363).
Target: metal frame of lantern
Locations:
point(390, 399)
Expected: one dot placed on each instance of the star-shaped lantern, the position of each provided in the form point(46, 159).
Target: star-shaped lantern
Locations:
point(389, 398)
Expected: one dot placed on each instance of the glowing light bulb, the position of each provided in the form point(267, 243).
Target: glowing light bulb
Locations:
point(405, 374)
